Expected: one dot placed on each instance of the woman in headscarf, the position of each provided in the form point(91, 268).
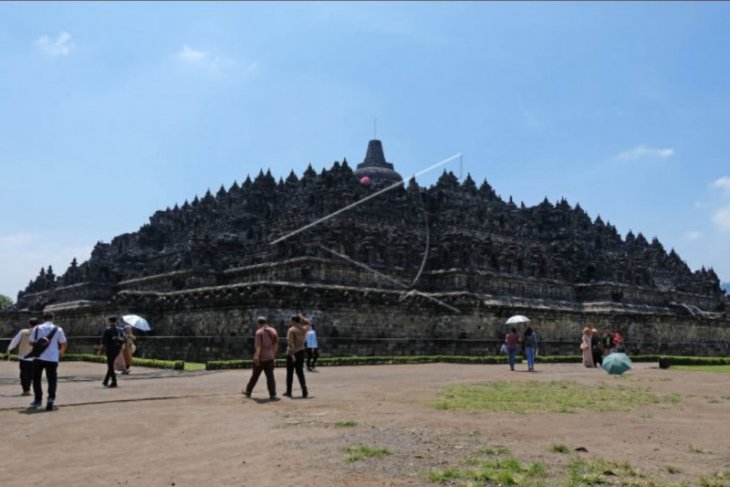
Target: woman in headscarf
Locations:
point(585, 346)
point(129, 348)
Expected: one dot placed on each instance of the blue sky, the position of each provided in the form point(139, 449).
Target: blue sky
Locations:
point(109, 112)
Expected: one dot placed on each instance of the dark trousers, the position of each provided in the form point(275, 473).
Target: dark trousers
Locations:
point(292, 364)
point(110, 374)
point(26, 374)
point(597, 357)
point(51, 376)
point(312, 356)
point(268, 368)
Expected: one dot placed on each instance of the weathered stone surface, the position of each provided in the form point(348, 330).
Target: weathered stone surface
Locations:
point(206, 267)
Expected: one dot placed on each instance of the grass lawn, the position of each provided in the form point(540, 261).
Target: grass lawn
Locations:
point(703, 368)
point(561, 396)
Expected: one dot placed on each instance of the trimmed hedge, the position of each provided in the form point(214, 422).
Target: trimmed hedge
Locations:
point(101, 359)
point(454, 359)
point(666, 362)
point(374, 360)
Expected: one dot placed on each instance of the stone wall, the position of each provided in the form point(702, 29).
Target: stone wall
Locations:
point(218, 322)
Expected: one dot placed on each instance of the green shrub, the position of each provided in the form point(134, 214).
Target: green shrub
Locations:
point(667, 361)
point(141, 362)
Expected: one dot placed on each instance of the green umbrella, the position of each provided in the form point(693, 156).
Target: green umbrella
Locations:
point(616, 363)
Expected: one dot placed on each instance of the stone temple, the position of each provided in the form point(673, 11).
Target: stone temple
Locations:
point(413, 271)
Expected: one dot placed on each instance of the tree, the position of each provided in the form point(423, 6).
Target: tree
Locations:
point(5, 302)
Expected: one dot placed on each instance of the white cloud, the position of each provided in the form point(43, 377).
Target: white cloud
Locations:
point(693, 235)
point(191, 55)
point(209, 61)
point(59, 47)
point(721, 219)
point(643, 152)
point(722, 184)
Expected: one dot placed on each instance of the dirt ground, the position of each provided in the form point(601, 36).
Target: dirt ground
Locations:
point(164, 428)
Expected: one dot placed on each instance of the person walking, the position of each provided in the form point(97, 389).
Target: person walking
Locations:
point(511, 340)
point(129, 348)
point(596, 347)
point(529, 344)
point(312, 348)
point(49, 344)
point(585, 346)
point(21, 341)
point(266, 346)
point(295, 337)
point(111, 345)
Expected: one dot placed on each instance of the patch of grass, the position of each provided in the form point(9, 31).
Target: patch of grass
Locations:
point(194, 366)
point(360, 452)
point(499, 471)
point(346, 423)
point(559, 448)
point(583, 473)
point(725, 369)
point(696, 449)
point(720, 479)
point(494, 451)
point(672, 469)
point(540, 397)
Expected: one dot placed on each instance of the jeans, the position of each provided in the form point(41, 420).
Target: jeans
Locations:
point(268, 368)
point(26, 374)
point(312, 356)
point(530, 355)
point(295, 363)
point(110, 373)
point(51, 376)
point(511, 357)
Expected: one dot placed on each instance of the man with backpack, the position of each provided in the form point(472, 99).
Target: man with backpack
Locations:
point(49, 344)
point(266, 345)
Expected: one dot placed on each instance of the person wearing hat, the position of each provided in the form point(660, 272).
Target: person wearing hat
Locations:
point(266, 345)
point(585, 347)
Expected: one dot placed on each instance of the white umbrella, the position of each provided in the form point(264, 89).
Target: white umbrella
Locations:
point(517, 319)
point(137, 322)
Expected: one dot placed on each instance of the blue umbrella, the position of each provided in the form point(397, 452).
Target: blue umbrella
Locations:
point(616, 363)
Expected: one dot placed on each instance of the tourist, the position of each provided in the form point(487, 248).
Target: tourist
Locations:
point(618, 342)
point(21, 341)
point(529, 345)
point(585, 346)
point(266, 346)
point(596, 347)
point(111, 345)
point(511, 340)
point(49, 344)
point(312, 348)
point(129, 348)
point(607, 342)
point(295, 354)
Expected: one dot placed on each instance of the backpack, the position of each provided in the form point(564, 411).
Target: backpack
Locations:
point(41, 344)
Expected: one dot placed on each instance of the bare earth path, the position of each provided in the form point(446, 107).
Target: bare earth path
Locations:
point(164, 428)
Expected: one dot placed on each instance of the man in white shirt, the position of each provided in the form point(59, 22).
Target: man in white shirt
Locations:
point(312, 348)
point(47, 360)
point(21, 341)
